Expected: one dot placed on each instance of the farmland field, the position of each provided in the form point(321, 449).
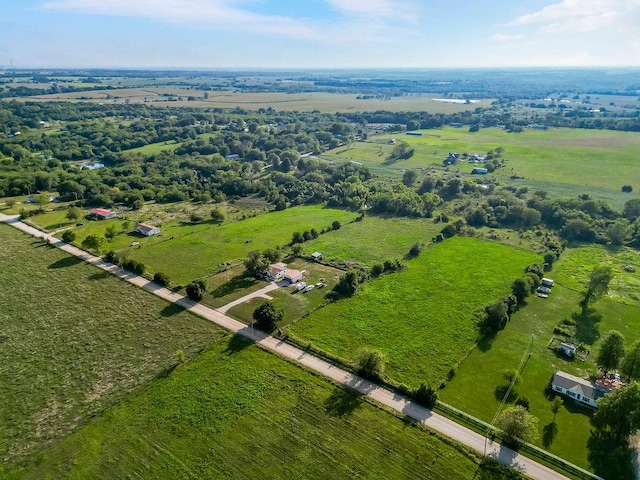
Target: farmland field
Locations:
point(562, 161)
point(424, 319)
point(238, 412)
point(304, 102)
point(476, 386)
point(392, 238)
point(76, 341)
point(189, 252)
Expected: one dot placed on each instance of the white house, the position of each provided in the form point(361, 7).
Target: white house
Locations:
point(577, 388)
point(146, 230)
point(276, 271)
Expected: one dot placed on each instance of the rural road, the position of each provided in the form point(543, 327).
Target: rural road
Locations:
point(382, 395)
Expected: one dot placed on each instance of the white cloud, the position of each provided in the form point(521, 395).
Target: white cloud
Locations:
point(503, 37)
point(391, 10)
point(223, 13)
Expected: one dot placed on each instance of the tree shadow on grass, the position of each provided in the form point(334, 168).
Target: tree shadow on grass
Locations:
point(549, 433)
point(65, 262)
point(99, 275)
point(236, 344)
point(341, 402)
point(500, 392)
point(171, 310)
point(485, 342)
point(587, 330)
point(237, 283)
point(609, 457)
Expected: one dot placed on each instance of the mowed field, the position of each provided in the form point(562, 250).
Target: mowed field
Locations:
point(237, 412)
point(76, 341)
point(309, 101)
point(424, 319)
point(374, 239)
point(477, 386)
point(189, 252)
point(562, 161)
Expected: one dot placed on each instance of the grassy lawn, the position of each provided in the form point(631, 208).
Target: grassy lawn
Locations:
point(561, 160)
point(295, 304)
point(187, 252)
point(75, 342)
point(236, 411)
point(424, 319)
point(353, 243)
point(476, 386)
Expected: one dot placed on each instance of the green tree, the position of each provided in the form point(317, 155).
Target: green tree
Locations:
point(74, 213)
point(630, 366)
point(68, 236)
point(369, 364)
point(617, 232)
point(256, 263)
point(348, 284)
point(196, 290)
point(496, 315)
point(426, 395)
point(161, 278)
point(556, 405)
point(598, 285)
point(611, 351)
point(42, 201)
point(94, 242)
point(111, 232)
point(619, 411)
point(267, 316)
point(512, 376)
point(409, 177)
point(521, 288)
point(517, 425)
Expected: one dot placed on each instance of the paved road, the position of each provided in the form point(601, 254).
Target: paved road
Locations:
point(382, 395)
point(262, 293)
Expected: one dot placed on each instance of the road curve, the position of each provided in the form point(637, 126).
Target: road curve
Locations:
point(393, 400)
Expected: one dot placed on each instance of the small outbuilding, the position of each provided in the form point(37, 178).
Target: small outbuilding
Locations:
point(101, 214)
point(293, 276)
point(146, 229)
point(317, 256)
point(479, 171)
point(568, 350)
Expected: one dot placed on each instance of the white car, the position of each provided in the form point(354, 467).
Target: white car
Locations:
point(300, 286)
point(308, 288)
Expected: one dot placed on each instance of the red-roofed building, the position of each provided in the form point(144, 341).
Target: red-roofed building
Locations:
point(101, 214)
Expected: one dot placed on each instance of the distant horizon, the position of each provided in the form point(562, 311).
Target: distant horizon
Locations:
point(319, 34)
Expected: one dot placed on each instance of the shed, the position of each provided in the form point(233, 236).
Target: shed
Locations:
point(316, 256)
point(568, 350)
point(146, 229)
point(101, 214)
point(479, 171)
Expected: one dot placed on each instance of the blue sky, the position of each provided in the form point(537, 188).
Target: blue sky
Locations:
point(319, 33)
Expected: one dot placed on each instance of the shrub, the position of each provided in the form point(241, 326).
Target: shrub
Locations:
point(112, 257)
point(426, 395)
point(416, 249)
point(68, 236)
point(196, 290)
point(523, 402)
point(161, 278)
point(369, 364)
point(267, 316)
point(335, 225)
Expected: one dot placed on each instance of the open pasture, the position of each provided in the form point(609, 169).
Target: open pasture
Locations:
point(75, 342)
point(238, 412)
point(187, 252)
point(424, 319)
point(374, 239)
point(571, 161)
point(478, 384)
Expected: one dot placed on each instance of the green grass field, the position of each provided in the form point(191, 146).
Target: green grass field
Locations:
point(238, 412)
point(424, 319)
point(188, 252)
point(373, 240)
point(476, 386)
point(561, 161)
point(75, 341)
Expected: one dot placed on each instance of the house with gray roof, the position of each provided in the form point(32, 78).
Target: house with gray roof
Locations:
point(577, 388)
